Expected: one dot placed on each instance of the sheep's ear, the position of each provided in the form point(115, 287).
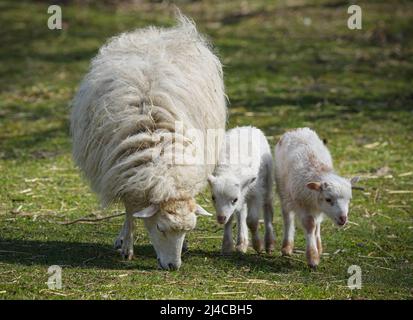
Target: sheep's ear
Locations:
point(314, 186)
point(354, 180)
point(248, 180)
point(147, 212)
point(211, 179)
point(201, 211)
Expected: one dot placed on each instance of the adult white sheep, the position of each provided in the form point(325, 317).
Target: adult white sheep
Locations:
point(140, 87)
point(242, 185)
point(308, 186)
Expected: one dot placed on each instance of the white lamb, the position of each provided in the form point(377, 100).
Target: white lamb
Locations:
point(242, 184)
point(308, 186)
point(140, 87)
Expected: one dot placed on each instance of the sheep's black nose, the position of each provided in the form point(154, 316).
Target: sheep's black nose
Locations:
point(221, 219)
point(172, 266)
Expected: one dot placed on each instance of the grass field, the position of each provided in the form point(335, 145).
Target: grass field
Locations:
point(287, 64)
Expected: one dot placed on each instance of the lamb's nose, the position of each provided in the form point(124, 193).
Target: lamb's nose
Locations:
point(221, 219)
point(342, 220)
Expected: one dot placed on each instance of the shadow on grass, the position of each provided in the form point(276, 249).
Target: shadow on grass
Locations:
point(102, 256)
point(72, 254)
point(249, 262)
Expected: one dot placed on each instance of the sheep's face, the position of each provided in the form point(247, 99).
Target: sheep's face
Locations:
point(228, 194)
point(334, 198)
point(167, 224)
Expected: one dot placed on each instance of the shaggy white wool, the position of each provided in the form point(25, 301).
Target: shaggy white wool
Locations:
point(138, 85)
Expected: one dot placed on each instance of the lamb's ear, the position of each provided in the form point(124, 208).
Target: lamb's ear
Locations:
point(201, 211)
point(248, 180)
point(316, 186)
point(354, 180)
point(147, 212)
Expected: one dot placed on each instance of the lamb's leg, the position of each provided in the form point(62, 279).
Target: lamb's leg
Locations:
point(253, 224)
point(228, 242)
point(289, 232)
point(318, 237)
point(242, 241)
point(269, 230)
point(124, 242)
point(309, 224)
point(268, 207)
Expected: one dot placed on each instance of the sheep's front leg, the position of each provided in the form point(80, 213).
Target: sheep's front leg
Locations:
point(242, 241)
point(253, 224)
point(289, 232)
point(318, 238)
point(228, 242)
point(313, 257)
point(124, 242)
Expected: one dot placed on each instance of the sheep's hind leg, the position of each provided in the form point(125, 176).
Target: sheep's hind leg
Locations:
point(269, 230)
point(124, 242)
point(289, 232)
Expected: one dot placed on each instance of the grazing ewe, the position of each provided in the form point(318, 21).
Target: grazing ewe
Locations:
point(142, 86)
point(242, 184)
point(308, 186)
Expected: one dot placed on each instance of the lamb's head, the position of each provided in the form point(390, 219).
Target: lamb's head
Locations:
point(333, 196)
point(167, 224)
point(228, 194)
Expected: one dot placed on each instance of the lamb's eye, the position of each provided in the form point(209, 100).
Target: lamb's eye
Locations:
point(213, 198)
point(234, 201)
point(329, 200)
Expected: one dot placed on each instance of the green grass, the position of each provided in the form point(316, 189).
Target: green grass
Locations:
point(353, 86)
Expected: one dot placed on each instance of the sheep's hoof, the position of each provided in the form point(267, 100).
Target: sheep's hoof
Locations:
point(127, 255)
point(118, 243)
point(269, 249)
point(227, 249)
point(269, 246)
point(242, 248)
point(287, 250)
point(258, 245)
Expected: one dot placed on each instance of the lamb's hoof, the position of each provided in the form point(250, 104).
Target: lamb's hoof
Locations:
point(227, 250)
point(287, 250)
point(258, 245)
point(269, 249)
point(242, 248)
